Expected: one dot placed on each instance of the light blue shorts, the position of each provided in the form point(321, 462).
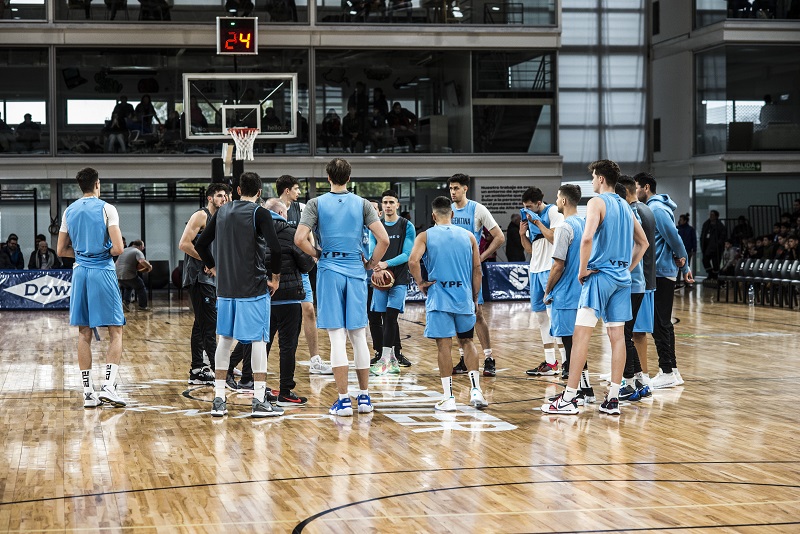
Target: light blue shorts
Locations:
point(341, 301)
point(537, 285)
point(307, 288)
point(441, 324)
point(245, 320)
point(95, 299)
point(394, 297)
point(610, 300)
point(644, 319)
point(562, 322)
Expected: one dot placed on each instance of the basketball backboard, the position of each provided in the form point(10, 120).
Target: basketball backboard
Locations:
point(214, 102)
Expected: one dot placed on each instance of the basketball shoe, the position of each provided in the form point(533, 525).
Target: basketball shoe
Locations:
point(560, 406)
point(663, 380)
point(488, 367)
point(476, 398)
point(610, 406)
point(90, 400)
point(544, 369)
point(342, 408)
point(219, 407)
point(460, 368)
point(318, 367)
point(364, 404)
point(446, 405)
point(109, 395)
point(265, 409)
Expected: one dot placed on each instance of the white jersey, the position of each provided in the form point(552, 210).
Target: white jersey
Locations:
point(542, 249)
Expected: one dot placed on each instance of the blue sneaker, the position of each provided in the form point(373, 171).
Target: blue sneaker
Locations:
point(641, 393)
point(364, 404)
point(342, 407)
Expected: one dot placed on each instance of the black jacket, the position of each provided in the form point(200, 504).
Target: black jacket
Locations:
point(293, 262)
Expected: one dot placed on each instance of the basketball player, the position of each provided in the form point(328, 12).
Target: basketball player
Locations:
point(391, 302)
point(474, 217)
point(288, 189)
point(562, 290)
point(202, 288)
point(453, 262)
point(670, 259)
point(92, 226)
point(245, 231)
point(612, 244)
point(536, 233)
point(339, 217)
point(643, 286)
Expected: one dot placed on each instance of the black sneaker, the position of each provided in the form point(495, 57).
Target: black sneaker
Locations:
point(626, 392)
point(610, 406)
point(202, 376)
point(230, 382)
point(272, 396)
point(403, 361)
point(460, 368)
point(488, 367)
point(290, 399)
point(588, 395)
point(564, 374)
point(248, 385)
point(375, 359)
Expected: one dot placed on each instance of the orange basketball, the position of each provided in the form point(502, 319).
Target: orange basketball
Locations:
point(382, 279)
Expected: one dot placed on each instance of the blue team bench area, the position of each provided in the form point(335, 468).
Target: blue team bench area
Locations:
point(49, 290)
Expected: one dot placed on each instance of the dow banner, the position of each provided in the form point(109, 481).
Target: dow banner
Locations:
point(35, 290)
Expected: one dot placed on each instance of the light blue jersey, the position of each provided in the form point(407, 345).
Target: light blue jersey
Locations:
point(612, 246)
point(637, 274)
point(568, 289)
point(92, 248)
point(341, 226)
point(465, 218)
point(448, 259)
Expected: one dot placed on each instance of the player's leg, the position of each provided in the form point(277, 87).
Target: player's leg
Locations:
point(105, 309)
point(465, 333)
point(310, 330)
point(331, 294)
point(631, 356)
point(549, 367)
point(288, 326)
point(378, 306)
point(358, 339)
point(375, 319)
point(90, 399)
point(444, 347)
point(482, 330)
point(391, 331)
point(663, 333)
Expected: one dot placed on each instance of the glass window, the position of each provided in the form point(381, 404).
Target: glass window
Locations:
point(145, 92)
point(522, 12)
point(23, 106)
point(577, 108)
point(623, 108)
point(577, 71)
point(158, 11)
point(580, 144)
point(22, 10)
point(623, 29)
point(623, 71)
point(625, 144)
point(581, 30)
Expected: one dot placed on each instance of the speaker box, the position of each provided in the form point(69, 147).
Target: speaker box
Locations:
point(218, 171)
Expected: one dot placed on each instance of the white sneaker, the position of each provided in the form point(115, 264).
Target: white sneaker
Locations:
point(318, 367)
point(605, 377)
point(476, 398)
point(90, 400)
point(446, 405)
point(663, 380)
point(109, 394)
point(678, 377)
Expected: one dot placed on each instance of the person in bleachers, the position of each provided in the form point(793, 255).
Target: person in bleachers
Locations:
point(29, 133)
point(16, 260)
point(43, 257)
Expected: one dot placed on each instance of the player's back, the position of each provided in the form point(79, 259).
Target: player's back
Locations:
point(612, 247)
point(240, 252)
point(448, 260)
point(86, 224)
point(340, 224)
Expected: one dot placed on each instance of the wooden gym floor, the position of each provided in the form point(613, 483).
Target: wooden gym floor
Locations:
point(719, 454)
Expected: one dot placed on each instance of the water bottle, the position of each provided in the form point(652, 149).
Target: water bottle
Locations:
point(751, 296)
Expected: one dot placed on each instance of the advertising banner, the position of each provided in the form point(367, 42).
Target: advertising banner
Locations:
point(35, 290)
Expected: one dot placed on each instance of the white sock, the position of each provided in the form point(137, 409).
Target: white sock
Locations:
point(550, 356)
point(111, 374)
point(260, 390)
point(613, 391)
point(461, 353)
point(387, 353)
point(585, 379)
point(487, 353)
point(219, 388)
point(569, 394)
point(447, 386)
point(645, 378)
point(563, 352)
point(365, 392)
point(343, 396)
point(474, 379)
point(675, 370)
point(86, 378)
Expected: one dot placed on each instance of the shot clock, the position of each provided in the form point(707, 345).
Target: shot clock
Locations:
point(237, 35)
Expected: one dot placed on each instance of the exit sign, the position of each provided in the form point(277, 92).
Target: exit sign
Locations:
point(743, 166)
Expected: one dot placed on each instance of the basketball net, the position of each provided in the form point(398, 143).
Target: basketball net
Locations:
point(244, 138)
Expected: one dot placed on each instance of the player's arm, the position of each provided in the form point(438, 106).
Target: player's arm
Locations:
point(497, 240)
point(64, 247)
point(595, 212)
point(266, 226)
point(408, 246)
point(640, 243)
point(484, 219)
point(112, 223)
point(415, 262)
point(193, 227)
point(555, 220)
point(203, 245)
point(556, 271)
point(523, 235)
point(666, 227)
point(302, 236)
point(477, 273)
point(381, 244)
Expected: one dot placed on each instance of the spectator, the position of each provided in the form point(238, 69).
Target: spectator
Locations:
point(730, 255)
point(791, 253)
point(43, 257)
point(712, 241)
point(741, 231)
point(123, 109)
point(688, 236)
point(378, 129)
point(796, 212)
point(352, 132)
point(145, 113)
point(239, 8)
point(130, 262)
point(270, 122)
point(198, 120)
point(155, 10)
point(16, 260)
point(403, 124)
point(331, 129)
point(486, 240)
point(6, 135)
point(116, 132)
point(28, 132)
point(5, 262)
point(514, 250)
point(379, 101)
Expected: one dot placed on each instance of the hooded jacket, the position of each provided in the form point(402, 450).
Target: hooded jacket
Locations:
point(293, 262)
point(669, 244)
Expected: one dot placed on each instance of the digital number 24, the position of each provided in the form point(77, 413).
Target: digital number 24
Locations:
point(244, 38)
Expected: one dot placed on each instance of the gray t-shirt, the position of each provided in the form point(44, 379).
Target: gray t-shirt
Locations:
point(128, 262)
point(562, 237)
